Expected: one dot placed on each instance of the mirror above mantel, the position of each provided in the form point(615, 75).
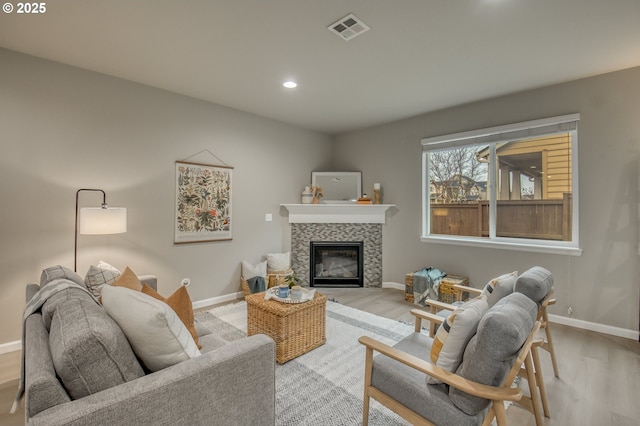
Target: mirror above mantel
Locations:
point(338, 187)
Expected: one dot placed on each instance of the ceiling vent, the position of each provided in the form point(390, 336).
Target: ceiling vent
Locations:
point(348, 27)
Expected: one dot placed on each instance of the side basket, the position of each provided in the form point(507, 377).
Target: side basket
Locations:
point(446, 292)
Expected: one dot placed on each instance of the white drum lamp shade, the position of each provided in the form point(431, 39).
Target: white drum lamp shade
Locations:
point(97, 221)
point(100, 221)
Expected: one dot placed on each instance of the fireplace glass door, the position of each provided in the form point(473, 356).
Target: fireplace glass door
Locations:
point(336, 264)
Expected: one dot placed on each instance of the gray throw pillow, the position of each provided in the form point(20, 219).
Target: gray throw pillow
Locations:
point(57, 272)
point(89, 351)
point(490, 353)
point(535, 283)
point(51, 304)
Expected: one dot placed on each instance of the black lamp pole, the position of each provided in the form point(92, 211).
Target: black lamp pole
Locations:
point(104, 206)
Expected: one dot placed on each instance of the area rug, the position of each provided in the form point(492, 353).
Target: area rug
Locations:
point(324, 386)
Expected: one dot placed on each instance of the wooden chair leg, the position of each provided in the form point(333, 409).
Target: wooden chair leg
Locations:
point(549, 344)
point(539, 378)
point(533, 389)
point(368, 366)
point(501, 413)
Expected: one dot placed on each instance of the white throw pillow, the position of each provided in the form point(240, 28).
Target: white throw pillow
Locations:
point(157, 336)
point(454, 334)
point(250, 271)
point(279, 261)
point(100, 275)
point(500, 287)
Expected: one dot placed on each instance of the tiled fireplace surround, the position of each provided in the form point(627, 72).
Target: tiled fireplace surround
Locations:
point(302, 234)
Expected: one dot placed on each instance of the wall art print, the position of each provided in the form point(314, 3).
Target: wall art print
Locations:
point(203, 202)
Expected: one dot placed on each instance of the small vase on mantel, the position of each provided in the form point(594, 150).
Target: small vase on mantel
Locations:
point(307, 195)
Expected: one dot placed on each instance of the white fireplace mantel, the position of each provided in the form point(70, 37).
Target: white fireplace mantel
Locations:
point(337, 213)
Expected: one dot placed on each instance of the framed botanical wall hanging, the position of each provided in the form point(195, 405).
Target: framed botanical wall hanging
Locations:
point(203, 202)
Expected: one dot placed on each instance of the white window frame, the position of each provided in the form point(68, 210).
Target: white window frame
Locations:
point(491, 136)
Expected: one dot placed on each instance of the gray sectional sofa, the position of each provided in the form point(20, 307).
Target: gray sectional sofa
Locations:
point(80, 370)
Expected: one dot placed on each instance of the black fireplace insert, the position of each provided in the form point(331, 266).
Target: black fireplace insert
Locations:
point(336, 264)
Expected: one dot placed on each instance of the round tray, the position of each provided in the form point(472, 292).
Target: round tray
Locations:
point(274, 296)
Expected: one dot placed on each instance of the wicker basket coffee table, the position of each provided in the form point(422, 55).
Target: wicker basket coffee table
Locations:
point(296, 328)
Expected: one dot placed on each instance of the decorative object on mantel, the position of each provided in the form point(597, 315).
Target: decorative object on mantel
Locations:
point(376, 193)
point(318, 194)
point(307, 195)
point(364, 200)
point(203, 201)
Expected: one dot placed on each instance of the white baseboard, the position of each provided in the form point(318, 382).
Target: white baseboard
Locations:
point(571, 322)
point(215, 300)
point(10, 347)
point(593, 326)
point(390, 284)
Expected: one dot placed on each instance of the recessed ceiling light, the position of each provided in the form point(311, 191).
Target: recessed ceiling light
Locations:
point(290, 84)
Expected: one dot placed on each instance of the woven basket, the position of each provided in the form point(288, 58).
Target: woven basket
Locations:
point(446, 292)
point(273, 279)
point(295, 328)
point(276, 278)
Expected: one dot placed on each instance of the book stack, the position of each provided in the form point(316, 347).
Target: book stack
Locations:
point(364, 200)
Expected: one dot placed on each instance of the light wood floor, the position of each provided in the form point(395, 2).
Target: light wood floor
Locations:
point(599, 379)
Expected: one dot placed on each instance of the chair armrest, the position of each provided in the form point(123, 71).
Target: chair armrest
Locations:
point(235, 381)
point(424, 315)
point(434, 306)
point(493, 393)
point(467, 289)
point(437, 305)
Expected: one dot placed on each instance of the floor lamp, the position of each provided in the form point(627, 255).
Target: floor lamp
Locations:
point(98, 221)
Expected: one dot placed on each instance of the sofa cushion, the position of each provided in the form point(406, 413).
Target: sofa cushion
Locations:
point(58, 272)
point(89, 350)
point(100, 275)
point(55, 273)
point(499, 287)
point(211, 342)
point(454, 334)
point(181, 304)
point(535, 283)
point(129, 279)
point(157, 335)
point(43, 387)
point(410, 387)
point(490, 353)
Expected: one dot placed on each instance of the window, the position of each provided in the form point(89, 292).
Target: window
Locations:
point(513, 186)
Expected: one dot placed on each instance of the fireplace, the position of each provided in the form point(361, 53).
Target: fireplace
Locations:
point(336, 264)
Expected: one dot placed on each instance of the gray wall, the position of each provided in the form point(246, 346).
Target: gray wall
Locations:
point(63, 128)
point(602, 285)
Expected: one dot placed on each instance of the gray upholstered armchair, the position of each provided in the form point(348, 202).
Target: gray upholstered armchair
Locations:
point(472, 395)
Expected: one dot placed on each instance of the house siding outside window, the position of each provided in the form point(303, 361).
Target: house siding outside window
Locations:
point(511, 186)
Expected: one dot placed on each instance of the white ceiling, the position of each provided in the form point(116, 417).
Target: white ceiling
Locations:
point(419, 56)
